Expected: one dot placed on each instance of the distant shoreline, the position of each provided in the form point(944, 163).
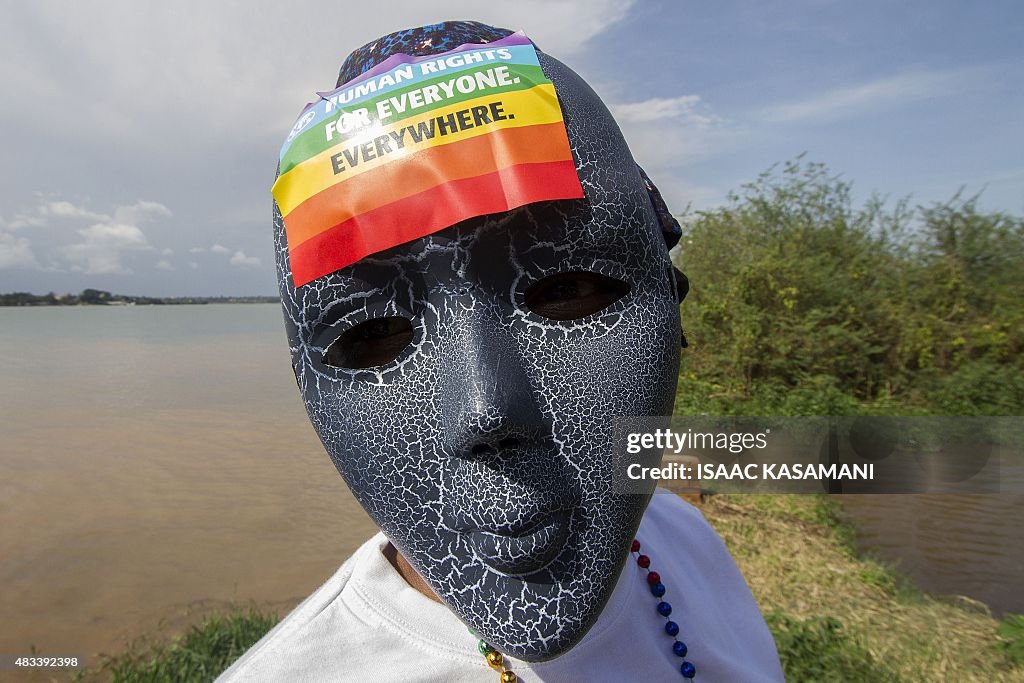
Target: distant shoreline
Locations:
point(98, 297)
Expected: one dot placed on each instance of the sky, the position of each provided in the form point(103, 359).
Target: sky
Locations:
point(141, 137)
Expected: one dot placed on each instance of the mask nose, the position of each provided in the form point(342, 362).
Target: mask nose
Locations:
point(499, 410)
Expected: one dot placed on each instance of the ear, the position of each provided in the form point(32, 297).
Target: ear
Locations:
point(682, 288)
point(670, 228)
point(671, 231)
point(682, 285)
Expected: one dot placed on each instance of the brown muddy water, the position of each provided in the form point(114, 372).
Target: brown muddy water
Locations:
point(156, 463)
point(950, 545)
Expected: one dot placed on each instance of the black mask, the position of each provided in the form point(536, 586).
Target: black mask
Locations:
point(465, 384)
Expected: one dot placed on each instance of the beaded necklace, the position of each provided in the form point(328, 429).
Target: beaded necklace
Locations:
point(497, 661)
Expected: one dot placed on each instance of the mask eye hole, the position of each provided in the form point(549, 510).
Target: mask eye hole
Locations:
point(369, 344)
point(569, 296)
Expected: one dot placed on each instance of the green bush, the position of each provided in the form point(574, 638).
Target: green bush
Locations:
point(980, 387)
point(1011, 638)
point(818, 650)
point(803, 303)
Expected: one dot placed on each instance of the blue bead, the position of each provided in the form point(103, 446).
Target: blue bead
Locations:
point(679, 648)
point(688, 670)
point(664, 609)
point(658, 589)
point(671, 628)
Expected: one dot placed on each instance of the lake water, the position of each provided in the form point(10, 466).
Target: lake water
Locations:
point(971, 545)
point(156, 462)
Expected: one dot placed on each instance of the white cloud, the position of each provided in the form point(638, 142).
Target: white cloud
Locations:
point(166, 251)
point(47, 210)
point(656, 108)
point(24, 220)
point(222, 55)
point(853, 100)
point(63, 209)
point(164, 265)
point(140, 211)
point(671, 131)
point(242, 261)
point(196, 250)
point(213, 65)
point(95, 249)
point(16, 252)
point(193, 265)
point(560, 26)
point(101, 251)
point(43, 214)
point(119, 234)
point(668, 135)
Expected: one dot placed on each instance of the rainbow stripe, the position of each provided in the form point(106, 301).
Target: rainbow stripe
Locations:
point(416, 145)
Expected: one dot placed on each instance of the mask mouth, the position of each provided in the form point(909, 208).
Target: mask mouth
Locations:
point(523, 551)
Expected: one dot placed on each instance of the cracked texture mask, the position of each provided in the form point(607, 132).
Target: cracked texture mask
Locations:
point(465, 382)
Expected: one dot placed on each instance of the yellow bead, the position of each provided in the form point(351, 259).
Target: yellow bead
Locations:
point(509, 677)
point(494, 658)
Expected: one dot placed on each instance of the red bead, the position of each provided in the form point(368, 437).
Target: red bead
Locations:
point(635, 547)
point(653, 578)
point(643, 561)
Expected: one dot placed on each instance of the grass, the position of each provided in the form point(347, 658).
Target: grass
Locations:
point(839, 617)
point(819, 649)
point(1011, 638)
point(201, 654)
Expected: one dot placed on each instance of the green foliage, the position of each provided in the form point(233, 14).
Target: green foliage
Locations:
point(200, 655)
point(978, 387)
point(1011, 638)
point(804, 304)
point(817, 649)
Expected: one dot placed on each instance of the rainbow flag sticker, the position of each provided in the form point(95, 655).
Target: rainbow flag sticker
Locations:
point(417, 144)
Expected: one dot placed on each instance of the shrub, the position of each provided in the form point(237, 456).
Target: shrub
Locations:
point(818, 650)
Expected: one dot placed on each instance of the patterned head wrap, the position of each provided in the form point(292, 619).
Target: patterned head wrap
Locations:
point(448, 35)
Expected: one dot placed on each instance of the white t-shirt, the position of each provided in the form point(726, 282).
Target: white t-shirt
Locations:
point(367, 624)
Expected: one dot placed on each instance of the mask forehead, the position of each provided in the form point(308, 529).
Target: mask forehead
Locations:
point(484, 449)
